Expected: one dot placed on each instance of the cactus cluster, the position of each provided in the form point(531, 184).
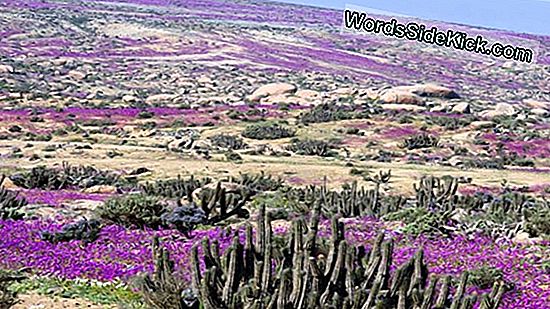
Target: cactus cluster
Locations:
point(80, 176)
point(85, 230)
point(305, 272)
point(10, 203)
point(267, 130)
point(229, 142)
point(422, 140)
point(220, 203)
point(311, 147)
point(258, 182)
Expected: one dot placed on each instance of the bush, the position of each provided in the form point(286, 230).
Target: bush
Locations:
point(330, 112)
point(134, 210)
point(87, 231)
point(229, 142)
point(421, 140)
point(8, 297)
point(310, 147)
point(185, 218)
point(42, 177)
point(267, 130)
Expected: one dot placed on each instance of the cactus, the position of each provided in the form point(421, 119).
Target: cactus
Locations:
point(10, 203)
point(174, 188)
point(307, 272)
point(162, 290)
point(220, 204)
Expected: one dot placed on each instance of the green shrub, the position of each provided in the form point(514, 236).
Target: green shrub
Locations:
point(134, 210)
point(267, 130)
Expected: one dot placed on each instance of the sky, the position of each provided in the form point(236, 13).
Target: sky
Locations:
point(524, 16)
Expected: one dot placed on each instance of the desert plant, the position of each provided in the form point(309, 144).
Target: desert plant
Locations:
point(330, 112)
point(85, 230)
point(293, 272)
point(8, 297)
point(43, 177)
point(161, 289)
point(310, 147)
point(267, 130)
point(178, 187)
point(229, 142)
point(133, 210)
point(421, 140)
point(185, 218)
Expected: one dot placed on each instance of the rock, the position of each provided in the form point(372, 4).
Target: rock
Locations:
point(4, 68)
point(78, 75)
point(455, 161)
point(523, 238)
point(129, 98)
point(536, 104)
point(461, 108)
point(403, 107)
point(271, 89)
point(540, 112)
point(439, 108)
point(400, 97)
point(481, 124)
point(307, 94)
point(345, 91)
point(180, 144)
point(160, 98)
point(103, 189)
point(427, 90)
point(501, 109)
point(8, 184)
point(204, 80)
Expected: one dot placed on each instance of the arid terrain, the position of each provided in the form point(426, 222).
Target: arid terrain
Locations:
point(124, 121)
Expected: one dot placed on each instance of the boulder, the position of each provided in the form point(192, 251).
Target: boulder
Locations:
point(271, 89)
point(129, 98)
point(4, 68)
point(78, 75)
point(501, 109)
point(8, 184)
point(540, 112)
point(400, 97)
point(403, 107)
point(461, 108)
point(307, 94)
point(536, 104)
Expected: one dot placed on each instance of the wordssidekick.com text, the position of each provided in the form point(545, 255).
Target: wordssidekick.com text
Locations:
point(360, 21)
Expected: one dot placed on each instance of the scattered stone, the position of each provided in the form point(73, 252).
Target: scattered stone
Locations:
point(461, 108)
point(400, 97)
point(501, 109)
point(160, 98)
point(4, 68)
point(403, 107)
point(536, 104)
point(78, 75)
point(129, 98)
